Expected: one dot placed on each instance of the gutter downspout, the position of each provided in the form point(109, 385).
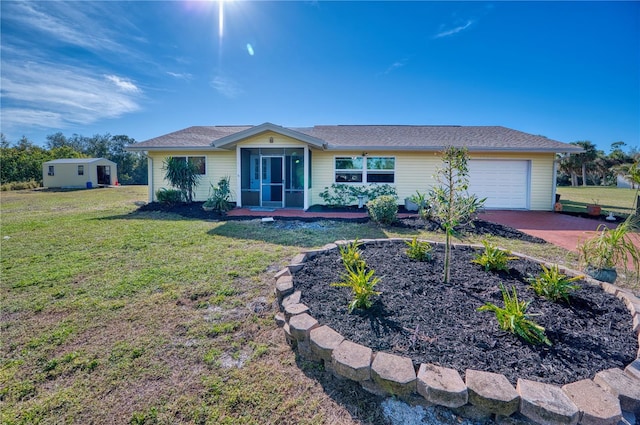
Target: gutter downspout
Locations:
point(555, 184)
point(149, 174)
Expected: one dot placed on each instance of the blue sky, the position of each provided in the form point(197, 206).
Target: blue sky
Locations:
point(566, 70)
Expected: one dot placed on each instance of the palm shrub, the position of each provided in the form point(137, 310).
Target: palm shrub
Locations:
point(513, 318)
point(383, 209)
point(182, 174)
point(418, 250)
point(553, 285)
point(362, 283)
point(420, 199)
point(493, 258)
point(610, 248)
point(219, 196)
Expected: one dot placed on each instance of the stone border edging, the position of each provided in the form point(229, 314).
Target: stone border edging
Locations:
point(483, 394)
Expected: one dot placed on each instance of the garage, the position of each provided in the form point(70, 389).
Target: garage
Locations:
point(505, 183)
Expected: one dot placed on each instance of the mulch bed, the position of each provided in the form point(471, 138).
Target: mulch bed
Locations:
point(478, 227)
point(420, 317)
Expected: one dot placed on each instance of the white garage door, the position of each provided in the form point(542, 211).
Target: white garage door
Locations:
point(505, 184)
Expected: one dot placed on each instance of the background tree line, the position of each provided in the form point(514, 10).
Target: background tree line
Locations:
point(22, 160)
point(594, 167)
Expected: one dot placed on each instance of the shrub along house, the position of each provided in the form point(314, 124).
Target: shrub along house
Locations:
point(79, 172)
point(280, 167)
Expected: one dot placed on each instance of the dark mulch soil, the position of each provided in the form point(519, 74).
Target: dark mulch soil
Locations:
point(420, 317)
point(478, 227)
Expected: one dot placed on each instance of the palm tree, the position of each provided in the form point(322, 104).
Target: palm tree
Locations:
point(182, 174)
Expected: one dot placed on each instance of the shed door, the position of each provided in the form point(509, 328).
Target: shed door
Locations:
point(505, 183)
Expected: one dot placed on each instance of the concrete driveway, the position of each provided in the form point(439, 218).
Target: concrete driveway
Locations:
point(563, 230)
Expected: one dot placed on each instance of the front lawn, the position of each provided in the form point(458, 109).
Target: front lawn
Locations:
point(110, 315)
point(618, 200)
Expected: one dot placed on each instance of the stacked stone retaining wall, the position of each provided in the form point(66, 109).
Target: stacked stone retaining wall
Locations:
point(482, 395)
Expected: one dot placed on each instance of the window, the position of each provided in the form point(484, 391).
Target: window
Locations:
point(381, 169)
point(199, 161)
point(51, 170)
point(81, 170)
point(349, 169)
point(357, 170)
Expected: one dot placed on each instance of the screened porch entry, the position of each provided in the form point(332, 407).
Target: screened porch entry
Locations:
point(272, 177)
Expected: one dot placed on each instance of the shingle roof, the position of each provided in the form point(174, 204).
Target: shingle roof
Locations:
point(380, 137)
point(75, 160)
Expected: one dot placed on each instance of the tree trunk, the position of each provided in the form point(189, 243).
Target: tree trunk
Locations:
point(584, 174)
point(574, 179)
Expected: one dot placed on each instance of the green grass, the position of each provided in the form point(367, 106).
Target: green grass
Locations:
point(618, 200)
point(110, 315)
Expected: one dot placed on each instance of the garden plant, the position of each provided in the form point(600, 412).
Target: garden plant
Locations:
point(513, 318)
point(418, 250)
point(554, 285)
point(182, 174)
point(493, 258)
point(450, 203)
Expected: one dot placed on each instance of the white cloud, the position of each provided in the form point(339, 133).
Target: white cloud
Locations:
point(456, 30)
point(394, 66)
point(45, 94)
point(180, 75)
point(123, 84)
point(226, 87)
point(76, 24)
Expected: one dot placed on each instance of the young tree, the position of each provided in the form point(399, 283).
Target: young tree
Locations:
point(181, 174)
point(449, 200)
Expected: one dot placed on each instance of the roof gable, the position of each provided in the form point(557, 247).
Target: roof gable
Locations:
point(233, 139)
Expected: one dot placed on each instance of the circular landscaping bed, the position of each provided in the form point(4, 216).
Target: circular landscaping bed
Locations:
point(420, 317)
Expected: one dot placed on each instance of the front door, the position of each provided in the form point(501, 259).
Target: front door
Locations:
point(272, 181)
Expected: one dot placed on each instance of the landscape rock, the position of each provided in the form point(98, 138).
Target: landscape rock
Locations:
point(352, 361)
point(546, 404)
point(597, 406)
point(323, 341)
point(301, 325)
point(395, 374)
point(441, 385)
point(625, 387)
point(491, 392)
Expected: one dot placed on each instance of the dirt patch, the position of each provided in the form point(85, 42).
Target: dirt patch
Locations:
point(420, 317)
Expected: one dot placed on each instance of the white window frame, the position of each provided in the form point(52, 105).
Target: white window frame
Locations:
point(51, 171)
point(364, 170)
point(391, 172)
point(81, 170)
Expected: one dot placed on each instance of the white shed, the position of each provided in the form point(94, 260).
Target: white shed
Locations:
point(79, 172)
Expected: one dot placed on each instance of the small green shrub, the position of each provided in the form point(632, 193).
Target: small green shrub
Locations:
point(169, 196)
point(493, 258)
point(514, 318)
point(383, 209)
point(31, 184)
point(342, 195)
point(351, 255)
point(553, 285)
point(361, 283)
point(375, 191)
point(418, 250)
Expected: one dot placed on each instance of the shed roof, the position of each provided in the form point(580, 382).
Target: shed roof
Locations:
point(76, 161)
point(372, 137)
